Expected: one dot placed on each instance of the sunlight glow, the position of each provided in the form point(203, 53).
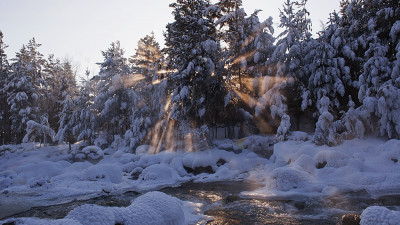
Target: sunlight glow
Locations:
point(166, 71)
point(156, 82)
point(132, 79)
point(243, 57)
point(256, 90)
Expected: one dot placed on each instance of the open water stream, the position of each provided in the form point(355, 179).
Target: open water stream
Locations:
point(222, 201)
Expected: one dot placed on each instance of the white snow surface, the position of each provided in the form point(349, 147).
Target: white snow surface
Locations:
point(151, 208)
point(359, 164)
point(50, 175)
point(374, 215)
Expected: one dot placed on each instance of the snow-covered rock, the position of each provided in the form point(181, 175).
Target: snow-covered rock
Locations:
point(158, 174)
point(93, 152)
point(107, 172)
point(156, 208)
point(148, 209)
point(374, 215)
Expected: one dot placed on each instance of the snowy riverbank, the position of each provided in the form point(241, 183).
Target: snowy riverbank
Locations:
point(298, 168)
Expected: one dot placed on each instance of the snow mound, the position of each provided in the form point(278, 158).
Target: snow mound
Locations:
point(144, 149)
point(156, 208)
point(303, 168)
point(379, 215)
point(334, 159)
point(148, 209)
point(7, 178)
point(158, 174)
point(107, 172)
point(92, 152)
point(298, 136)
point(93, 214)
point(36, 221)
point(287, 178)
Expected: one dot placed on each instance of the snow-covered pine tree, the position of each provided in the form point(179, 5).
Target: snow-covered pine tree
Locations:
point(83, 114)
point(232, 28)
point(24, 88)
point(5, 125)
point(68, 120)
point(325, 81)
point(249, 41)
point(351, 125)
point(194, 52)
point(325, 130)
point(285, 83)
point(148, 59)
point(379, 82)
point(39, 130)
point(61, 83)
point(149, 96)
point(249, 44)
point(328, 70)
point(337, 66)
point(114, 96)
point(350, 38)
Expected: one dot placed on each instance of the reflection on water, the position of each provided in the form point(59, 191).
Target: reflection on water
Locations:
point(223, 202)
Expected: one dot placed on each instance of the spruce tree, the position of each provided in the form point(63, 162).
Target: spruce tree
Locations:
point(61, 84)
point(24, 88)
point(148, 59)
point(379, 92)
point(249, 44)
point(5, 125)
point(113, 92)
point(194, 52)
point(149, 94)
point(83, 117)
point(286, 81)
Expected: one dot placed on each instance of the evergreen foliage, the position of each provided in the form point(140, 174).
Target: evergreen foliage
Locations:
point(114, 97)
point(24, 88)
point(194, 52)
point(220, 67)
point(5, 122)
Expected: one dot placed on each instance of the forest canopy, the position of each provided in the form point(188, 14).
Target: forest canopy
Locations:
point(221, 68)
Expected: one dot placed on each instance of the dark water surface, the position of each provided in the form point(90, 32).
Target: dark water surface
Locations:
point(222, 201)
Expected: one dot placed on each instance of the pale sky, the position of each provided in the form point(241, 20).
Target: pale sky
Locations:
point(81, 29)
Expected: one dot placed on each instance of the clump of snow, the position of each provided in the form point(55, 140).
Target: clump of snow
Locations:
point(156, 208)
point(148, 209)
point(93, 214)
point(93, 152)
point(108, 172)
point(379, 215)
point(7, 178)
point(306, 163)
point(142, 149)
point(298, 136)
point(332, 158)
point(158, 174)
point(302, 168)
point(36, 221)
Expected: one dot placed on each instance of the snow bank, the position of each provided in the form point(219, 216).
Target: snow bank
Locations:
point(93, 152)
point(297, 167)
point(148, 209)
point(158, 175)
point(156, 208)
point(302, 168)
point(379, 215)
point(53, 172)
point(94, 214)
point(108, 172)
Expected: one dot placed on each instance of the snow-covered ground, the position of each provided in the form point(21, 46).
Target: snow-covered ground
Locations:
point(49, 175)
point(148, 209)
